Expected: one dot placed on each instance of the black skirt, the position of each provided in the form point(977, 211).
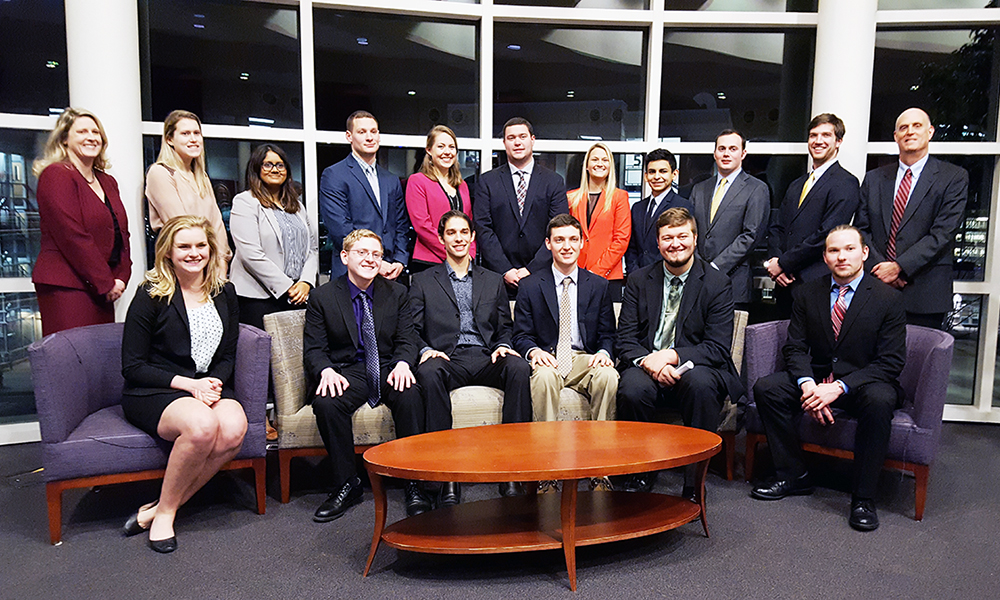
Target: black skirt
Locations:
point(144, 411)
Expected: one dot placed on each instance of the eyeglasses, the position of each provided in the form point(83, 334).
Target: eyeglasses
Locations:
point(270, 166)
point(366, 254)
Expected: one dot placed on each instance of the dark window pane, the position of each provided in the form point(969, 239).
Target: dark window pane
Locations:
point(963, 323)
point(757, 82)
point(32, 56)
point(232, 63)
point(916, 4)
point(743, 5)
point(20, 325)
point(571, 83)
point(631, 4)
point(19, 233)
point(569, 166)
point(410, 73)
point(951, 73)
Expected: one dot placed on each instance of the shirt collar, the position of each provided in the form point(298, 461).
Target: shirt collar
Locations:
point(527, 168)
point(915, 169)
point(729, 178)
point(361, 161)
point(658, 199)
point(853, 284)
point(559, 275)
point(670, 276)
point(355, 290)
point(818, 171)
point(453, 275)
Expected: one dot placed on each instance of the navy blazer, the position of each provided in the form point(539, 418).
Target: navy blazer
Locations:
point(926, 232)
point(797, 235)
point(536, 313)
point(507, 239)
point(740, 223)
point(643, 248)
point(347, 202)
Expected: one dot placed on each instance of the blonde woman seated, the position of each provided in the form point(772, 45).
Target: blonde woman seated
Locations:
point(178, 353)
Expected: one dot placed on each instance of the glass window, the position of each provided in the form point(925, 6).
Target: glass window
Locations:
point(19, 233)
point(758, 82)
point(963, 323)
point(571, 83)
point(949, 72)
point(412, 74)
point(20, 325)
point(33, 57)
point(912, 4)
point(569, 166)
point(743, 5)
point(232, 63)
point(632, 4)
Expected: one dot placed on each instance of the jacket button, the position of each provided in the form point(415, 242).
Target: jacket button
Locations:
point(835, 359)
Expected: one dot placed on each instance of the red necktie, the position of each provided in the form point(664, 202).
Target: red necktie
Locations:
point(898, 207)
point(839, 310)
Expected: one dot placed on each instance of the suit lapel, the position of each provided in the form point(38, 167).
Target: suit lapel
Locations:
point(443, 280)
point(507, 183)
point(478, 289)
point(729, 197)
point(548, 284)
point(692, 290)
point(654, 309)
point(887, 187)
point(920, 190)
point(177, 303)
point(359, 174)
point(380, 291)
point(583, 293)
point(825, 313)
point(342, 300)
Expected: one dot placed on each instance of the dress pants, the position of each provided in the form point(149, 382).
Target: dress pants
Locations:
point(779, 403)
point(699, 394)
point(333, 416)
point(471, 365)
point(599, 385)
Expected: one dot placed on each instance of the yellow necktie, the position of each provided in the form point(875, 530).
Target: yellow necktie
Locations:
point(717, 198)
point(805, 188)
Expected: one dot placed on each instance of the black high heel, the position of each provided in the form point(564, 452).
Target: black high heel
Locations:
point(164, 546)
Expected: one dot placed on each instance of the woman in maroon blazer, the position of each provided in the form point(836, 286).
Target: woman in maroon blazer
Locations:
point(433, 191)
point(83, 264)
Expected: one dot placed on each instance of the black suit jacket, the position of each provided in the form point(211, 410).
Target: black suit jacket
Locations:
point(926, 232)
point(330, 337)
point(704, 320)
point(536, 313)
point(642, 246)
point(872, 342)
point(507, 239)
point(435, 308)
point(156, 344)
point(797, 235)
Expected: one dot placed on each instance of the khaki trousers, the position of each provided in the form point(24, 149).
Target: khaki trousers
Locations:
point(599, 384)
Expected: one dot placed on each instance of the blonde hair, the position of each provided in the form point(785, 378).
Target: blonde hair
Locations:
point(55, 146)
point(170, 158)
point(609, 183)
point(454, 175)
point(359, 234)
point(162, 280)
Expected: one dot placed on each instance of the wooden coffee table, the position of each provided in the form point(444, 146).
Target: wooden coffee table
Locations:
point(558, 450)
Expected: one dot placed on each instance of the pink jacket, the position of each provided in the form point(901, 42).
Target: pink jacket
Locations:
point(426, 202)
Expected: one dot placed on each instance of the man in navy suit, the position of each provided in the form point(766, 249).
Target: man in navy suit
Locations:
point(814, 204)
point(660, 173)
point(358, 194)
point(909, 212)
point(514, 202)
point(731, 210)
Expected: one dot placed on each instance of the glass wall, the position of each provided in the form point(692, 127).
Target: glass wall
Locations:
point(32, 57)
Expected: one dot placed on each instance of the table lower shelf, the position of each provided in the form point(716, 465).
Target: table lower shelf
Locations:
point(533, 523)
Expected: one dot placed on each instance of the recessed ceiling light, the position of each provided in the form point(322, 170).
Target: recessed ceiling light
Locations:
point(52, 64)
point(362, 41)
point(412, 92)
point(514, 47)
point(244, 76)
point(199, 26)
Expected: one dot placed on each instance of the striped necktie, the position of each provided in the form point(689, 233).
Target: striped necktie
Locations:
point(898, 208)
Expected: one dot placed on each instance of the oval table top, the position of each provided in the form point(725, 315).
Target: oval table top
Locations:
point(540, 451)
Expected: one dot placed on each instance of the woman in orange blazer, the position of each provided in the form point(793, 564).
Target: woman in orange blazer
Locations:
point(603, 210)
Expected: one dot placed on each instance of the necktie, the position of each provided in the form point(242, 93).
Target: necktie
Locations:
point(652, 210)
point(898, 207)
point(839, 310)
point(522, 191)
point(564, 348)
point(720, 192)
point(371, 352)
point(372, 177)
point(805, 188)
point(666, 333)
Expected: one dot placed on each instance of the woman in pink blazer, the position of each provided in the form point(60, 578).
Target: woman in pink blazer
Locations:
point(433, 191)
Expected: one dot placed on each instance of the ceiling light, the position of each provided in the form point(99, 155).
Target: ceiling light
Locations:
point(362, 41)
point(514, 47)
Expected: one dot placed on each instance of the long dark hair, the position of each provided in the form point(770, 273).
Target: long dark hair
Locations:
point(288, 196)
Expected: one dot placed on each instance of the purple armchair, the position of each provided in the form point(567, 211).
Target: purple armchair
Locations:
point(86, 440)
point(916, 426)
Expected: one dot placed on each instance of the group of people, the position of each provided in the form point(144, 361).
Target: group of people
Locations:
point(848, 289)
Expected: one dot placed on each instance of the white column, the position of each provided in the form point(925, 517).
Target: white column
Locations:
point(102, 53)
point(842, 78)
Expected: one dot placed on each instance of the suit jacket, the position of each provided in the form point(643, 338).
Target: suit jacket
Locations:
point(871, 346)
point(347, 202)
point(926, 232)
point(797, 234)
point(704, 320)
point(508, 239)
point(156, 343)
point(330, 336)
point(606, 237)
point(536, 313)
point(425, 203)
point(435, 308)
point(643, 248)
point(77, 232)
point(259, 268)
point(740, 223)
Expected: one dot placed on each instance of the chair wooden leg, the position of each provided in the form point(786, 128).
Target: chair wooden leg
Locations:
point(284, 474)
point(921, 474)
point(53, 496)
point(729, 447)
point(260, 483)
point(753, 440)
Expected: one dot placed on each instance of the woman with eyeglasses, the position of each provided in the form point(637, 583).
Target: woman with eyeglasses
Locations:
point(277, 253)
point(178, 183)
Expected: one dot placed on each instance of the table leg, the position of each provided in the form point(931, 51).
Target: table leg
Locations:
point(568, 515)
point(380, 514)
point(701, 471)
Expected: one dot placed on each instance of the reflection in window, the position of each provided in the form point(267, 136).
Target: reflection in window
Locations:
point(963, 323)
point(743, 5)
point(411, 74)
point(20, 325)
point(571, 83)
point(757, 82)
point(631, 4)
point(951, 73)
point(19, 234)
point(232, 63)
point(917, 4)
point(33, 57)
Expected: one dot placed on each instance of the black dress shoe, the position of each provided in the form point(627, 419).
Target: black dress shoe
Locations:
point(338, 502)
point(132, 526)
point(417, 501)
point(164, 546)
point(688, 494)
point(451, 494)
point(863, 515)
point(641, 482)
point(800, 486)
point(509, 489)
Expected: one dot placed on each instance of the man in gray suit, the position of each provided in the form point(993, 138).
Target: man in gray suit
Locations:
point(731, 210)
